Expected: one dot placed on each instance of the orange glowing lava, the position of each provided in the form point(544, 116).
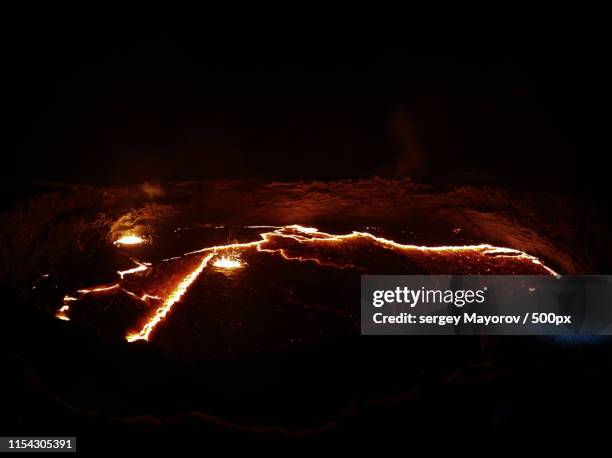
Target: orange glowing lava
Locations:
point(174, 297)
point(62, 312)
point(99, 289)
point(304, 244)
point(225, 262)
point(140, 266)
point(129, 239)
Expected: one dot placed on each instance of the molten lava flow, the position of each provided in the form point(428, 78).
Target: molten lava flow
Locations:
point(226, 262)
point(174, 297)
point(129, 239)
point(99, 289)
point(62, 313)
point(140, 266)
point(308, 244)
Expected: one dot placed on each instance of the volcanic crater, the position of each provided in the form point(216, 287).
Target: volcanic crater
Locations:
point(259, 279)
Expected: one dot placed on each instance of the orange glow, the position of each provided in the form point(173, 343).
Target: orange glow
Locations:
point(225, 262)
point(129, 239)
point(62, 313)
point(282, 240)
point(174, 297)
point(305, 230)
point(99, 289)
point(140, 266)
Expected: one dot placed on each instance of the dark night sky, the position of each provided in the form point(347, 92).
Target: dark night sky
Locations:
point(123, 103)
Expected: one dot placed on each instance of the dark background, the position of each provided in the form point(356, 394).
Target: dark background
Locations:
point(124, 101)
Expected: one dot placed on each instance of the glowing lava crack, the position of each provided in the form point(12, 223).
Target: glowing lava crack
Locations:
point(306, 244)
point(174, 297)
